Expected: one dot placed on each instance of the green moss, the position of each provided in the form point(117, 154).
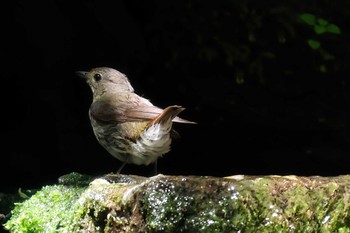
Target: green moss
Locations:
point(172, 207)
point(270, 204)
point(164, 208)
point(75, 179)
point(44, 211)
point(99, 209)
point(60, 208)
point(296, 206)
point(72, 208)
point(189, 204)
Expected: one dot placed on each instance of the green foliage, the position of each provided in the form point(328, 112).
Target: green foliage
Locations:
point(322, 22)
point(314, 44)
point(310, 19)
point(244, 41)
point(332, 28)
point(320, 25)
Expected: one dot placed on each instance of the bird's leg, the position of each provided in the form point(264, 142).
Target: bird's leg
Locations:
point(155, 167)
point(122, 166)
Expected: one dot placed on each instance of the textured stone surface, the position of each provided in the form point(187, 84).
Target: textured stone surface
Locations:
point(120, 203)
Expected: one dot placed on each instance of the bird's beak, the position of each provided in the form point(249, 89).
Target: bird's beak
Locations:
point(82, 74)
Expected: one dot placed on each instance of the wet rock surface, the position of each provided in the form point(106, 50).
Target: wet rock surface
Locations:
point(127, 203)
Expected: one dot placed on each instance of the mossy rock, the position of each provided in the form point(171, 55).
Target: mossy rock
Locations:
point(121, 203)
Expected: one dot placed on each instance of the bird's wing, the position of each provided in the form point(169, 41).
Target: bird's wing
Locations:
point(151, 112)
point(106, 111)
point(142, 110)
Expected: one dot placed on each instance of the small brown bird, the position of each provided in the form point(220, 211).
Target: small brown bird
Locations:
point(127, 125)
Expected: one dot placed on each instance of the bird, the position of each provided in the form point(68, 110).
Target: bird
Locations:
point(127, 125)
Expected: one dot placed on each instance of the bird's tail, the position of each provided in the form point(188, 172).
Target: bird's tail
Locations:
point(167, 115)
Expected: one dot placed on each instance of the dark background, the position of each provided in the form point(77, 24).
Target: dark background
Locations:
point(265, 101)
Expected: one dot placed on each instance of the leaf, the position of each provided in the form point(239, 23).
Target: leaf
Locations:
point(332, 28)
point(322, 22)
point(320, 29)
point(323, 68)
point(310, 19)
point(314, 44)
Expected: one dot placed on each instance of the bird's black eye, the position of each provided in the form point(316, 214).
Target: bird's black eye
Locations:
point(97, 77)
